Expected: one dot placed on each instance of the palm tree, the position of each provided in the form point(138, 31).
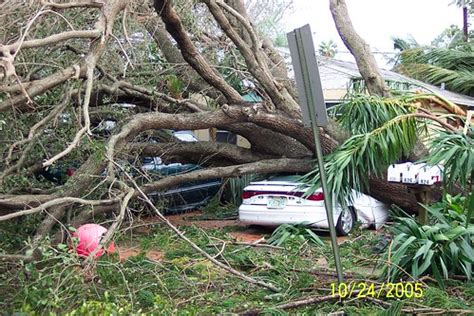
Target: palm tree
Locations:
point(453, 67)
point(401, 44)
point(328, 49)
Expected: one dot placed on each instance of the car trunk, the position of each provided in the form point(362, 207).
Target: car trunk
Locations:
point(263, 192)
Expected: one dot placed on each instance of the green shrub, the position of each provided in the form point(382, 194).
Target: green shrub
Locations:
point(298, 232)
point(442, 249)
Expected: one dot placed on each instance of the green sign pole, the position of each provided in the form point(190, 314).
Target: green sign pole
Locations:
point(311, 98)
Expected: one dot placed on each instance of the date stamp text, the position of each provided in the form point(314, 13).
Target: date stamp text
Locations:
point(381, 290)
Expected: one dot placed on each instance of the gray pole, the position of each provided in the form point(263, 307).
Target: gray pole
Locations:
point(327, 202)
point(313, 107)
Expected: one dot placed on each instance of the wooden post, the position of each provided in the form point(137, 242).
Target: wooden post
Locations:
point(422, 197)
point(422, 194)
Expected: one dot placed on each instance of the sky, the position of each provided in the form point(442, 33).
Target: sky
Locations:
point(376, 21)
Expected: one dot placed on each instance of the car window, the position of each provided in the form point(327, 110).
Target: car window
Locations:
point(185, 136)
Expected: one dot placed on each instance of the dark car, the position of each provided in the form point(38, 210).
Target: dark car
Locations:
point(187, 196)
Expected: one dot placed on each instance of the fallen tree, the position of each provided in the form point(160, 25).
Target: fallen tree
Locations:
point(193, 87)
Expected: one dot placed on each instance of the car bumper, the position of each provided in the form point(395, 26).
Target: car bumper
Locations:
point(261, 215)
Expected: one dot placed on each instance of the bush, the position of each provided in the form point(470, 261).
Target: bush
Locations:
point(298, 232)
point(442, 249)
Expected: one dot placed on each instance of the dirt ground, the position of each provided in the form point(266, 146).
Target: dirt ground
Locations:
point(127, 252)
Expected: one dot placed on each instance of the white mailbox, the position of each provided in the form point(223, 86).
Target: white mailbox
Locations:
point(411, 174)
point(395, 172)
point(429, 175)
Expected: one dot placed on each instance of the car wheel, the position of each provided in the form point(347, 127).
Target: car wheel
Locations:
point(346, 222)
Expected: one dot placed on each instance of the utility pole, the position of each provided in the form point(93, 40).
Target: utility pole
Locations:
point(465, 29)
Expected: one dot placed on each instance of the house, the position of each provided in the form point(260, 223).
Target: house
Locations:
point(337, 79)
point(337, 76)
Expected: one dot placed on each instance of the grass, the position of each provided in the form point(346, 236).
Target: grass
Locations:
point(184, 283)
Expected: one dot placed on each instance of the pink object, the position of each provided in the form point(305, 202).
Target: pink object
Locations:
point(89, 236)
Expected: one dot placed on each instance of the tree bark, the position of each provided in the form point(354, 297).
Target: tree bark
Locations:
point(359, 49)
point(199, 152)
point(190, 53)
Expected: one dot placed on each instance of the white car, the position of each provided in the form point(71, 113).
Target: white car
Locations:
point(281, 201)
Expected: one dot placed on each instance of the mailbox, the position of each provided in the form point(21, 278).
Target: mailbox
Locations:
point(411, 174)
point(429, 175)
point(395, 172)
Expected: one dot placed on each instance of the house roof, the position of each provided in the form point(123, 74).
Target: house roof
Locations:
point(336, 74)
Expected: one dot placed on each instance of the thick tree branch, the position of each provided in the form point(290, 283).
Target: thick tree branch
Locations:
point(190, 53)
point(199, 151)
point(37, 87)
point(254, 59)
point(56, 202)
point(359, 49)
point(19, 202)
point(263, 166)
point(173, 55)
point(73, 4)
point(52, 39)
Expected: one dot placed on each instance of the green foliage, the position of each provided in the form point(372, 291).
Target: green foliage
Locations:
point(328, 49)
point(384, 138)
point(175, 85)
point(440, 298)
point(451, 66)
point(237, 185)
point(362, 113)
point(299, 232)
point(393, 310)
point(402, 43)
point(93, 307)
point(442, 249)
point(452, 209)
point(185, 283)
point(456, 152)
point(280, 40)
point(233, 70)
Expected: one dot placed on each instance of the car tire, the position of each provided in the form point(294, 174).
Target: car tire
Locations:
point(345, 222)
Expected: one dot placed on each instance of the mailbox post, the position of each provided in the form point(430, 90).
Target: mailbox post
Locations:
point(313, 107)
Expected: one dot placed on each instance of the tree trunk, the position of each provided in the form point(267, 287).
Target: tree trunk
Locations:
point(359, 49)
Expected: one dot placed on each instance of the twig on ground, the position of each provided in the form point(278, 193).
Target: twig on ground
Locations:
point(196, 247)
point(350, 241)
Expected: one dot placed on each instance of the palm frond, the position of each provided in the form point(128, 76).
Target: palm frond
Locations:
point(456, 152)
point(461, 81)
point(363, 155)
point(362, 113)
point(461, 58)
point(453, 67)
point(404, 43)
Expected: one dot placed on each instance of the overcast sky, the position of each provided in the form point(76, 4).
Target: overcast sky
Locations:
point(377, 21)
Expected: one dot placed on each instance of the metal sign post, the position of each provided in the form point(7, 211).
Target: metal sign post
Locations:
point(312, 103)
